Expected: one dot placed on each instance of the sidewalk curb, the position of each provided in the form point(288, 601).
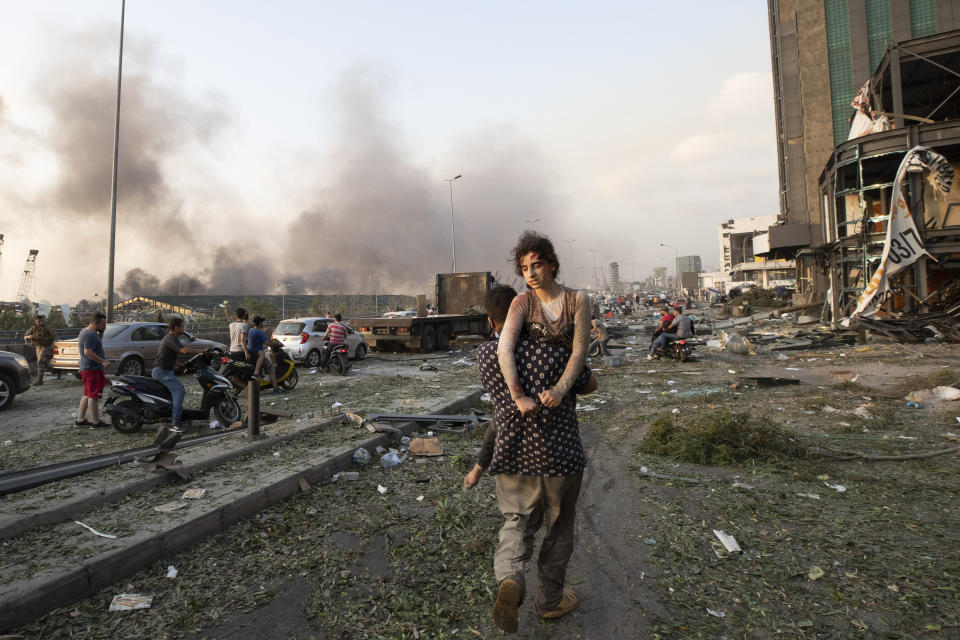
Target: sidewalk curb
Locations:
point(34, 598)
point(74, 508)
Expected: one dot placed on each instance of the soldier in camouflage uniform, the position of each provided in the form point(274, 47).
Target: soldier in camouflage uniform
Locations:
point(42, 338)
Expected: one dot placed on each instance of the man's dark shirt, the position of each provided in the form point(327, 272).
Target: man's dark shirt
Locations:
point(547, 444)
point(167, 353)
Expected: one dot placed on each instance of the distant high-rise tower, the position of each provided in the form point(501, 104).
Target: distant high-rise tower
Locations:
point(660, 277)
point(614, 275)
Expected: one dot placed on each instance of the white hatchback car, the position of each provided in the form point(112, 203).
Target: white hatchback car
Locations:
point(301, 339)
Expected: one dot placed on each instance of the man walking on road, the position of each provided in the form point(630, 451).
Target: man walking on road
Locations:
point(42, 339)
point(93, 362)
point(538, 461)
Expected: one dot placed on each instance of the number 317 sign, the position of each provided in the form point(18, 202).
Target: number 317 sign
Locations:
point(903, 246)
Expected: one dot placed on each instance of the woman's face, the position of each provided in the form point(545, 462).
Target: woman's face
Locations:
point(536, 271)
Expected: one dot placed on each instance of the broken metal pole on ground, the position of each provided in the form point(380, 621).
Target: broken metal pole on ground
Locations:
point(468, 422)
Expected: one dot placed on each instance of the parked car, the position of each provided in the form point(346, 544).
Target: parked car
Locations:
point(301, 339)
point(406, 313)
point(130, 348)
point(14, 377)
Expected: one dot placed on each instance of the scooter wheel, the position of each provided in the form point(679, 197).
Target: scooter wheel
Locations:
point(291, 380)
point(226, 410)
point(126, 423)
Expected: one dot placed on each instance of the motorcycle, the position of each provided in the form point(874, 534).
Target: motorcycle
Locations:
point(240, 372)
point(680, 350)
point(335, 357)
point(135, 400)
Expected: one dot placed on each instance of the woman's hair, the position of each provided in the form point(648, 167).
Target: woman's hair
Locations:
point(531, 241)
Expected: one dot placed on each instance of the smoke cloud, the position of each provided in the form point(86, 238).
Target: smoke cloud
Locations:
point(157, 123)
point(377, 218)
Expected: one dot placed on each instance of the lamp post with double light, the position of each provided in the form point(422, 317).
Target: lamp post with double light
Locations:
point(453, 233)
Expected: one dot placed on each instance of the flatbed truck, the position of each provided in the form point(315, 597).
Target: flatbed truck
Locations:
point(460, 312)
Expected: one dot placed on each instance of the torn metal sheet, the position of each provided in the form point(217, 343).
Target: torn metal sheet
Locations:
point(440, 423)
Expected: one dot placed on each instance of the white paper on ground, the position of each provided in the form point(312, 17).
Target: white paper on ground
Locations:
point(95, 532)
point(728, 541)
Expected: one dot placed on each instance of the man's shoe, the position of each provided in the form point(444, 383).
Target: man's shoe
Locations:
point(568, 602)
point(99, 425)
point(38, 382)
point(81, 423)
point(649, 357)
point(505, 614)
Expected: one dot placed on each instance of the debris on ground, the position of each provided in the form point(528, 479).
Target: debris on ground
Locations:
point(167, 507)
point(728, 541)
point(425, 447)
point(130, 601)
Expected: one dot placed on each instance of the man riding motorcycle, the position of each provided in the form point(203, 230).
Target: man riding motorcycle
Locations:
point(336, 334)
point(681, 327)
point(163, 372)
point(665, 319)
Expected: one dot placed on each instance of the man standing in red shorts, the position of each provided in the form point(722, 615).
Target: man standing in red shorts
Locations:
point(92, 363)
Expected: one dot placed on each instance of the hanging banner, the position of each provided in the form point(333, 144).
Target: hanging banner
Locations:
point(903, 245)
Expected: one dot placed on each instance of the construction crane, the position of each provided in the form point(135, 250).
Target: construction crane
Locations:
point(29, 272)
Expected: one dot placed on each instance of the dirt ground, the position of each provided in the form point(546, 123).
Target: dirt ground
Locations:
point(831, 548)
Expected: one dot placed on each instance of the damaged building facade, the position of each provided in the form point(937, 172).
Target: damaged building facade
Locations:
point(914, 97)
point(837, 171)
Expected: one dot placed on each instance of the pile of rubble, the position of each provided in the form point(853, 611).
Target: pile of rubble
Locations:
point(919, 327)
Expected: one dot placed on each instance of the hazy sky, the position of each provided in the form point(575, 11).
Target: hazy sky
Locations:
point(308, 142)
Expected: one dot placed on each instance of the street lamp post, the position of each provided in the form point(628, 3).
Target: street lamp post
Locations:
point(376, 296)
point(453, 234)
point(676, 263)
point(108, 302)
point(283, 298)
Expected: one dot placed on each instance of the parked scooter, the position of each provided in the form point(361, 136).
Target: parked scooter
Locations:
point(335, 357)
point(135, 400)
point(240, 372)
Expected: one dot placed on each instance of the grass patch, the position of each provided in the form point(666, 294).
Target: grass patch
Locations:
point(720, 438)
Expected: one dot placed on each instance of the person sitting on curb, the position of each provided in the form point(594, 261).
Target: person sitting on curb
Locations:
point(599, 336)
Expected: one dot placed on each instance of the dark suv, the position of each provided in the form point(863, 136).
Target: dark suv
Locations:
point(14, 377)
